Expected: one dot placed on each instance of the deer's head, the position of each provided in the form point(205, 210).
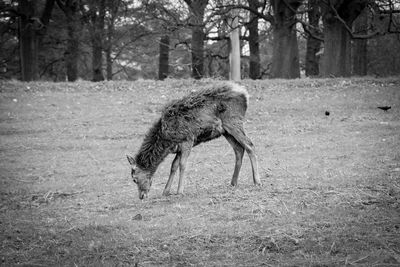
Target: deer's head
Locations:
point(141, 178)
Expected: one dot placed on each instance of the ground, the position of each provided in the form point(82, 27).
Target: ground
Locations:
point(329, 163)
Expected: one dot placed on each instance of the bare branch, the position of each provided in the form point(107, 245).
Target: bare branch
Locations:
point(348, 29)
point(266, 17)
point(62, 6)
point(307, 27)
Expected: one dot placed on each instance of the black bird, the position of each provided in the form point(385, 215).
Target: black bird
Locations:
point(385, 108)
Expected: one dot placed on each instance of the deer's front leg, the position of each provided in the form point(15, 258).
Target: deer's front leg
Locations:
point(186, 147)
point(174, 168)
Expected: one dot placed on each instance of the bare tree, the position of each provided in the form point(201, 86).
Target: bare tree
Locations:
point(359, 49)
point(254, 46)
point(163, 66)
point(338, 17)
point(281, 14)
point(234, 53)
point(112, 7)
point(197, 8)
point(285, 58)
point(32, 28)
point(72, 15)
point(313, 38)
point(94, 14)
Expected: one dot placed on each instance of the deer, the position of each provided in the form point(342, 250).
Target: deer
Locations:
point(198, 117)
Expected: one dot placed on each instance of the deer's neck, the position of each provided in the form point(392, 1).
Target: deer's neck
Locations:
point(154, 149)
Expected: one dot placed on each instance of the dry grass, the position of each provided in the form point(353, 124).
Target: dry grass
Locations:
point(331, 194)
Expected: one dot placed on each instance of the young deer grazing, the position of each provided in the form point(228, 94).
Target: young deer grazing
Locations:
point(196, 118)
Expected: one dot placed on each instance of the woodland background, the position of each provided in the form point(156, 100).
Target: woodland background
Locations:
point(66, 40)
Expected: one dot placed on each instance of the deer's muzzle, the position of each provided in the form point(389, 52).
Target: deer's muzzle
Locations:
point(143, 194)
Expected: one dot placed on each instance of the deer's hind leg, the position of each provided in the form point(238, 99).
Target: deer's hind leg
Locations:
point(237, 132)
point(239, 152)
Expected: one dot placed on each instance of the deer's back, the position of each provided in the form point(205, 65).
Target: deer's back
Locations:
point(202, 114)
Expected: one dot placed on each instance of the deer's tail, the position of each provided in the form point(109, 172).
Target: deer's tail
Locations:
point(240, 90)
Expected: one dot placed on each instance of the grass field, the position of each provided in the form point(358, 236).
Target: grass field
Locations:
point(330, 194)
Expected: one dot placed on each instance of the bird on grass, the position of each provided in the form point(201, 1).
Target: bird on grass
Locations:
point(385, 108)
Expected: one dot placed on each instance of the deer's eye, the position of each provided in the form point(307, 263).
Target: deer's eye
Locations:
point(133, 176)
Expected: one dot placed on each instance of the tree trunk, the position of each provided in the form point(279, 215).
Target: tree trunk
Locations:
point(336, 58)
point(28, 41)
point(337, 40)
point(108, 51)
point(28, 45)
point(112, 7)
point(109, 63)
point(312, 59)
point(285, 58)
point(360, 57)
point(163, 66)
point(197, 53)
point(234, 55)
point(72, 52)
point(31, 31)
point(197, 8)
point(254, 68)
point(97, 60)
point(359, 52)
point(97, 39)
point(70, 9)
point(313, 45)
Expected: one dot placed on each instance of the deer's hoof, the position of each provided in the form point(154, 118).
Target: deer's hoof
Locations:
point(234, 183)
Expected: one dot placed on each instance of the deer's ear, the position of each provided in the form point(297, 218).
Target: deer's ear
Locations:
point(131, 160)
